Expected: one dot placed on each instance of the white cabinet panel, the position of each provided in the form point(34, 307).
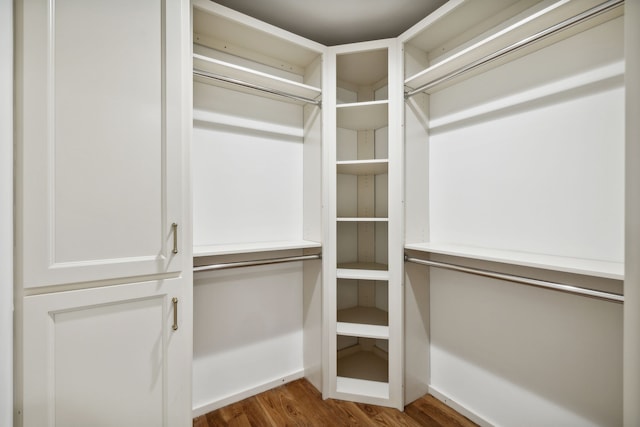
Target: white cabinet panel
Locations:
point(100, 100)
point(107, 356)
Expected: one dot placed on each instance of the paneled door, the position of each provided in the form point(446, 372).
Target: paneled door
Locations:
point(100, 102)
point(109, 356)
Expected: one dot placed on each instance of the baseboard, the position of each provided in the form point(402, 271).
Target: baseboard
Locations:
point(236, 397)
point(459, 408)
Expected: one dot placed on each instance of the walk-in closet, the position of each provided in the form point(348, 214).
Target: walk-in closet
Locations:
point(208, 205)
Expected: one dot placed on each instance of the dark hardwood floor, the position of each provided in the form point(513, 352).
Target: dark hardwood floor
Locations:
point(300, 404)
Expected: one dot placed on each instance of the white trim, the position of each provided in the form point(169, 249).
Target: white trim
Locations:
point(6, 213)
point(459, 407)
point(631, 355)
point(236, 397)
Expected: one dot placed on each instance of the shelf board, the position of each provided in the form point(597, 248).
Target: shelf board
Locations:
point(251, 247)
point(364, 315)
point(362, 219)
point(362, 330)
point(363, 115)
point(362, 271)
point(354, 386)
point(258, 78)
point(222, 28)
point(520, 27)
point(363, 167)
point(588, 267)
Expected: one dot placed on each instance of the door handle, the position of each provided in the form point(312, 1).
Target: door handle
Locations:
point(175, 313)
point(174, 226)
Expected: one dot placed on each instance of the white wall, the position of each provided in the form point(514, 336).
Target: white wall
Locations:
point(530, 157)
point(538, 164)
point(6, 212)
point(247, 154)
point(521, 356)
point(247, 332)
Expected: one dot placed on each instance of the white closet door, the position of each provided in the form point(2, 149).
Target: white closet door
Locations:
point(100, 104)
point(108, 356)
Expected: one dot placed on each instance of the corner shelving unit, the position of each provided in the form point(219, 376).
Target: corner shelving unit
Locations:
point(363, 249)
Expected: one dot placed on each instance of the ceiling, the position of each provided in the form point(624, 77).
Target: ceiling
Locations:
point(333, 22)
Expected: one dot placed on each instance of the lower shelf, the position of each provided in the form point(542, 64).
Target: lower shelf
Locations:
point(352, 386)
point(364, 361)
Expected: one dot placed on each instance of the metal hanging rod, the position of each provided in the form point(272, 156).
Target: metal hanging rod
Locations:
point(242, 83)
point(521, 280)
point(577, 19)
point(238, 264)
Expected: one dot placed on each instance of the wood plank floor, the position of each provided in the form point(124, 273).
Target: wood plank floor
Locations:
point(300, 404)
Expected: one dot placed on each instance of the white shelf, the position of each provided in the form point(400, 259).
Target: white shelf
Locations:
point(363, 167)
point(358, 387)
point(363, 272)
point(363, 115)
point(362, 219)
point(595, 268)
point(520, 27)
point(251, 247)
point(364, 315)
point(362, 330)
point(227, 30)
point(258, 78)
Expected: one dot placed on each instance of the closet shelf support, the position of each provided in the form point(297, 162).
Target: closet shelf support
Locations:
point(248, 85)
point(606, 296)
point(237, 264)
point(577, 19)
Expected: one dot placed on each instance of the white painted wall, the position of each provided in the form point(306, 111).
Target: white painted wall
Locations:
point(538, 165)
point(530, 156)
point(632, 247)
point(247, 158)
point(520, 356)
point(247, 332)
point(6, 212)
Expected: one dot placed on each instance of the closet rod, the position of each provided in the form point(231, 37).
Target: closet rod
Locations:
point(238, 264)
point(242, 83)
point(521, 280)
point(581, 17)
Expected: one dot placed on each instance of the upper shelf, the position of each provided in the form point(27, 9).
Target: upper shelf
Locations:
point(226, 30)
point(363, 115)
point(253, 77)
point(491, 40)
point(595, 268)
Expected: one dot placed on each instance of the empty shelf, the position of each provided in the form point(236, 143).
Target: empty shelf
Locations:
point(253, 77)
point(250, 247)
point(363, 167)
point(362, 219)
point(362, 330)
point(363, 271)
point(360, 387)
point(363, 115)
point(364, 315)
point(596, 268)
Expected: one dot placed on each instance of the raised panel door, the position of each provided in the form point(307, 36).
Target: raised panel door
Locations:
point(100, 107)
point(108, 356)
